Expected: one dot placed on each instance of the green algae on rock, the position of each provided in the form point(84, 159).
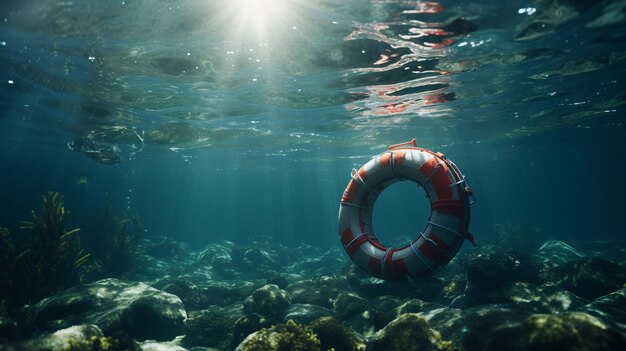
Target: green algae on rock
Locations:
point(85, 337)
point(574, 331)
point(334, 334)
point(409, 332)
point(281, 337)
point(269, 301)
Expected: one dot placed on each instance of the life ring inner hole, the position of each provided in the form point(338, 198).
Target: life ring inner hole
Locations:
point(400, 213)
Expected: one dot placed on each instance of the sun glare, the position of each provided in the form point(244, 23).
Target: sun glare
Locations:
point(256, 17)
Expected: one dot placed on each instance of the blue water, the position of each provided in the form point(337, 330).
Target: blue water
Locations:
point(235, 120)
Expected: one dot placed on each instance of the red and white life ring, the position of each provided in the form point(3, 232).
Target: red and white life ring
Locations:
point(450, 199)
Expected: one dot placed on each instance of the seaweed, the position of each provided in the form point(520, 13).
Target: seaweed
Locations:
point(114, 244)
point(7, 260)
point(51, 259)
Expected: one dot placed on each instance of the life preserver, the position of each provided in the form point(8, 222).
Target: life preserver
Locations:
point(450, 199)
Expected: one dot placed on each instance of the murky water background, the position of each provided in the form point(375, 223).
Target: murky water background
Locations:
point(229, 119)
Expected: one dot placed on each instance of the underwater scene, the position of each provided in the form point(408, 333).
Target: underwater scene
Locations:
point(312, 175)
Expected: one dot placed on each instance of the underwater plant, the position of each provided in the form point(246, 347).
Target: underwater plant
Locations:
point(7, 259)
point(114, 243)
point(48, 261)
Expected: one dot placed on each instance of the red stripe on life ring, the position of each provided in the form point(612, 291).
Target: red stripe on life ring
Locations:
point(347, 236)
point(438, 177)
point(362, 173)
point(374, 267)
point(398, 158)
point(351, 250)
point(448, 206)
point(394, 269)
point(398, 271)
point(438, 254)
point(350, 193)
point(400, 154)
point(385, 159)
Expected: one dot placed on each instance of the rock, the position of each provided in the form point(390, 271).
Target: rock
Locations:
point(492, 270)
point(114, 305)
point(166, 248)
point(571, 331)
point(553, 253)
point(319, 291)
point(272, 277)
point(269, 301)
point(530, 297)
point(288, 336)
point(424, 288)
point(408, 332)
point(247, 325)
point(162, 257)
point(348, 304)
point(415, 306)
point(216, 252)
point(192, 296)
point(481, 328)
point(610, 308)
point(218, 256)
point(160, 346)
point(222, 294)
point(381, 311)
point(561, 301)
point(76, 338)
point(305, 313)
point(212, 327)
point(509, 293)
point(314, 263)
point(258, 256)
point(369, 315)
point(336, 335)
point(590, 277)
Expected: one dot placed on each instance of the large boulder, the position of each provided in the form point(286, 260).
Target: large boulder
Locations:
point(409, 332)
point(247, 325)
point(348, 304)
point(76, 338)
point(289, 336)
point(114, 305)
point(333, 334)
point(211, 327)
point(571, 331)
point(269, 301)
point(492, 270)
point(193, 297)
point(481, 328)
